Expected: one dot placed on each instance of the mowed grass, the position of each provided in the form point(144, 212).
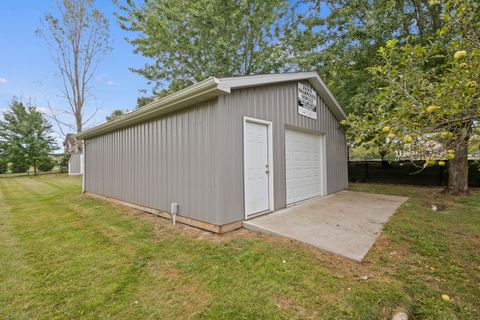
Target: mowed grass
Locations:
point(64, 255)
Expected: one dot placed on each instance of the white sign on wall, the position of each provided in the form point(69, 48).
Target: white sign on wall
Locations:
point(307, 101)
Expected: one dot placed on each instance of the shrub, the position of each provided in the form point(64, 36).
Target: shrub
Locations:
point(46, 164)
point(19, 167)
point(3, 167)
point(63, 164)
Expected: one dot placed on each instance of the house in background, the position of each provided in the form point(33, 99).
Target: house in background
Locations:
point(223, 150)
point(72, 148)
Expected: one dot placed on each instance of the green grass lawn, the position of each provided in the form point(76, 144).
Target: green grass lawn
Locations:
point(64, 255)
point(55, 170)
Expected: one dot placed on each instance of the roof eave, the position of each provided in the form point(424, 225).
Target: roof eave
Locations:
point(208, 89)
point(312, 77)
point(199, 92)
point(328, 97)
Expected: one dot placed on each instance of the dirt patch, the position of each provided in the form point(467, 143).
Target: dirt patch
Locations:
point(284, 303)
point(170, 288)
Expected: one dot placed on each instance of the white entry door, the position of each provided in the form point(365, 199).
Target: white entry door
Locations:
point(305, 176)
point(256, 163)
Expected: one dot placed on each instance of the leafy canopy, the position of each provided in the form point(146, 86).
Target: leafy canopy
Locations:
point(344, 43)
point(25, 135)
point(189, 41)
point(117, 113)
point(429, 103)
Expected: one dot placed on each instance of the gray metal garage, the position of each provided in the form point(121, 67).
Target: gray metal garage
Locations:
point(224, 150)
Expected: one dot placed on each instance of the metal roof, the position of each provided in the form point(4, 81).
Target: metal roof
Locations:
point(210, 88)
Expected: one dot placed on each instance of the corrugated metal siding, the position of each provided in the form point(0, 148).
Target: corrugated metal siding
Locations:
point(278, 104)
point(195, 156)
point(152, 164)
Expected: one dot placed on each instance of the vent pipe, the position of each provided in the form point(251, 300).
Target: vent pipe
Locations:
point(173, 211)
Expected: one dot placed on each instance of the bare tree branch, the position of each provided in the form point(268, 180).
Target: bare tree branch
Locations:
point(78, 35)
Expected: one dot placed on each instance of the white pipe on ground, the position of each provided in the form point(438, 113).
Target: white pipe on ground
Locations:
point(173, 211)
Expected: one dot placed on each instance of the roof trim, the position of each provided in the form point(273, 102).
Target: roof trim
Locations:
point(196, 93)
point(312, 77)
point(208, 89)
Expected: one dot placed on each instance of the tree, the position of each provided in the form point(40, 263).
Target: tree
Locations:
point(116, 114)
point(46, 164)
point(3, 166)
point(63, 162)
point(143, 101)
point(343, 43)
point(428, 106)
point(78, 35)
point(3, 156)
point(26, 136)
point(19, 166)
point(189, 41)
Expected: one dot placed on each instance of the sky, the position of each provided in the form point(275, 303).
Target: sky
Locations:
point(27, 69)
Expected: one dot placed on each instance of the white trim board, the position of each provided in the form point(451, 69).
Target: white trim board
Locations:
point(270, 165)
point(208, 89)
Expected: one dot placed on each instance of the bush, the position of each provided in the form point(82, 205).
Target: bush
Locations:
point(19, 167)
point(45, 165)
point(3, 167)
point(63, 164)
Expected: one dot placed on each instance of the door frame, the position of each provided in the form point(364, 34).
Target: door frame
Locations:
point(323, 161)
point(270, 164)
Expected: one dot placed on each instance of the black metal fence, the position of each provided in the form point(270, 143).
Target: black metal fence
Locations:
point(403, 172)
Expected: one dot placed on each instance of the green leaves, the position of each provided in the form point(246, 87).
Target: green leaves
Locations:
point(391, 44)
point(25, 136)
point(117, 113)
point(189, 41)
point(430, 96)
point(344, 44)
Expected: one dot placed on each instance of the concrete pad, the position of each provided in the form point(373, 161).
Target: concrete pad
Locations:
point(346, 223)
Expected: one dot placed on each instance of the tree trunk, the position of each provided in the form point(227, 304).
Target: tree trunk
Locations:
point(34, 168)
point(419, 18)
point(383, 154)
point(458, 171)
point(78, 120)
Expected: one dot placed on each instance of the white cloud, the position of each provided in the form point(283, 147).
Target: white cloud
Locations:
point(3, 80)
point(104, 78)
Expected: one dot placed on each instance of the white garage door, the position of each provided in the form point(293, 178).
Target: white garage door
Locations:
point(305, 165)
